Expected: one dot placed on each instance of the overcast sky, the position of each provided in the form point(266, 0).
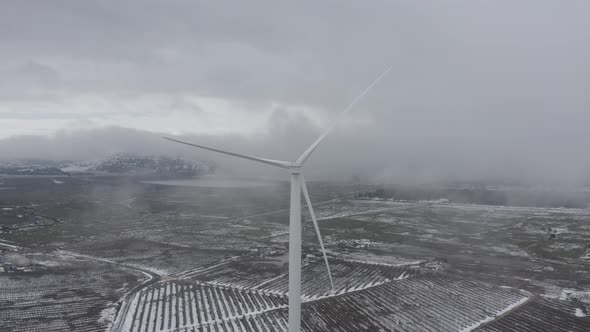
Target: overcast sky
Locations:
point(477, 89)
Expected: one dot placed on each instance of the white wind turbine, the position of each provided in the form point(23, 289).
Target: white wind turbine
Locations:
point(297, 186)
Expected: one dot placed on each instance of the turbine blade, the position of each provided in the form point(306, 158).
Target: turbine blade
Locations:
point(278, 163)
point(317, 228)
point(301, 160)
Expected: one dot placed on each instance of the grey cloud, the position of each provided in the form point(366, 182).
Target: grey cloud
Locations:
point(478, 89)
point(29, 79)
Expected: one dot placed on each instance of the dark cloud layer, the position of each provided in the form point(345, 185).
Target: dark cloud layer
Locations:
point(478, 89)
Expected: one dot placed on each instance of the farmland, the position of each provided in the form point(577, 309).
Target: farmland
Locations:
point(73, 296)
point(176, 305)
point(526, 318)
point(429, 302)
point(117, 254)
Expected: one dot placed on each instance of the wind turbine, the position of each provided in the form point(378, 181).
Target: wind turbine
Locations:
point(298, 185)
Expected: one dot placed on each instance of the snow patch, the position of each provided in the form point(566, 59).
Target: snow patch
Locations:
point(9, 246)
point(510, 250)
point(107, 316)
point(48, 263)
point(212, 216)
point(404, 275)
point(580, 313)
point(569, 293)
point(78, 167)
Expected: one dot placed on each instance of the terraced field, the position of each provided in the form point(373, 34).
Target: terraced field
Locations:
point(165, 258)
point(429, 302)
point(68, 301)
point(181, 304)
point(216, 260)
point(268, 278)
point(237, 273)
point(543, 315)
point(348, 276)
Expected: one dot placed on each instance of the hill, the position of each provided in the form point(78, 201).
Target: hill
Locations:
point(129, 164)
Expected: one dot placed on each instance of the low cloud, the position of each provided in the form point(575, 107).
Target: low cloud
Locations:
point(477, 90)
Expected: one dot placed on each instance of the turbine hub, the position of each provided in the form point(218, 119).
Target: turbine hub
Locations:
point(295, 168)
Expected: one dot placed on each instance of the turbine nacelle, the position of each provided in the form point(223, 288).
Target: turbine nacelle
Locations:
point(295, 169)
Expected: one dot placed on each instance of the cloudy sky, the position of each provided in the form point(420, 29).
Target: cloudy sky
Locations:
point(477, 88)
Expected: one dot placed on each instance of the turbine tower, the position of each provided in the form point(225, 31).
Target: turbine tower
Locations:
point(298, 185)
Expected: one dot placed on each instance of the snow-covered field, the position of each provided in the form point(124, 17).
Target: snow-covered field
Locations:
point(131, 256)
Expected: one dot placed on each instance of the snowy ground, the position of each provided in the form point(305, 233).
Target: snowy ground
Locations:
point(223, 251)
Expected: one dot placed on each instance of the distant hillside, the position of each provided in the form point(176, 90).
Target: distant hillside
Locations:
point(29, 169)
point(482, 195)
point(150, 165)
point(120, 164)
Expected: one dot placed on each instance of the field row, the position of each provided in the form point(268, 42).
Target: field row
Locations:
point(239, 273)
point(270, 321)
point(348, 276)
point(423, 303)
point(542, 315)
point(49, 313)
point(182, 304)
point(159, 257)
point(68, 301)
